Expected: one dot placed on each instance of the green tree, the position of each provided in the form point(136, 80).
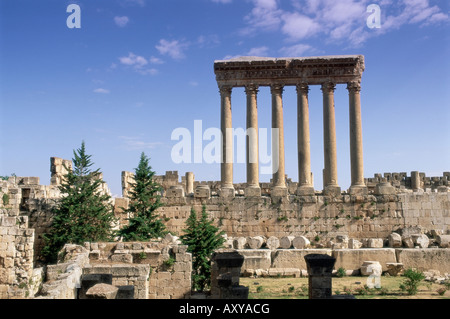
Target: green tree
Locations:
point(202, 238)
point(412, 281)
point(83, 214)
point(144, 222)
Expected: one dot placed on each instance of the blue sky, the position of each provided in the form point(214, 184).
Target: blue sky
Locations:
point(138, 69)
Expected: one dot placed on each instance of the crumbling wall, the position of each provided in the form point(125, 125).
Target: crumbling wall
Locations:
point(168, 265)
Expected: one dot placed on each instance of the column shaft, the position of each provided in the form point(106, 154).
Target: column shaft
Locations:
point(278, 144)
point(303, 141)
point(252, 137)
point(356, 145)
point(227, 137)
point(329, 136)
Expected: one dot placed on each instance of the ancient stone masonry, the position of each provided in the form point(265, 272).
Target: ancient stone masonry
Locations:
point(327, 71)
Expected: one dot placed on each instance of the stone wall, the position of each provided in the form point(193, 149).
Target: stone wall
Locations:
point(168, 265)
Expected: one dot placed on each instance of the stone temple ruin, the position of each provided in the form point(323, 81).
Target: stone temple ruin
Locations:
point(391, 221)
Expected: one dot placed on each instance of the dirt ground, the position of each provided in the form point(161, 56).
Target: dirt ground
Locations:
point(297, 288)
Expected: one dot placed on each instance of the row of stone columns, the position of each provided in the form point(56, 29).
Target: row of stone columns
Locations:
point(306, 187)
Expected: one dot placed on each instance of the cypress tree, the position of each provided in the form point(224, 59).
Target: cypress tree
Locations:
point(82, 214)
point(144, 222)
point(202, 238)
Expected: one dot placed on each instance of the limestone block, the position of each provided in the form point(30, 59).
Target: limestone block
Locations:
point(354, 244)
point(294, 258)
point(176, 191)
point(408, 241)
point(443, 241)
point(102, 291)
point(425, 259)
point(239, 242)
point(256, 258)
point(122, 258)
point(273, 243)
point(354, 258)
point(286, 242)
point(169, 239)
point(395, 240)
point(375, 243)
point(255, 242)
point(394, 269)
point(202, 191)
point(301, 242)
point(371, 268)
point(421, 240)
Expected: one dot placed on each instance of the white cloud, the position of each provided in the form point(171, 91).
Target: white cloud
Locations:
point(155, 60)
point(139, 3)
point(136, 143)
point(121, 21)
point(138, 63)
point(101, 91)
point(174, 48)
point(337, 21)
point(133, 60)
point(260, 51)
point(295, 50)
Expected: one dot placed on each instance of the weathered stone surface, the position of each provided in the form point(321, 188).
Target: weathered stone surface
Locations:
point(395, 240)
point(301, 242)
point(286, 242)
point(407, 241)
point(256, 258)
point(239, 243)
point(424, 259)
point(354, 244)
point(375, 243)
point(255, 242)
point(294, 258)
point(354, 258)
point(421, 240)
point(102, 291)
point(395, 269)
point(443, 241)
point(273, 243)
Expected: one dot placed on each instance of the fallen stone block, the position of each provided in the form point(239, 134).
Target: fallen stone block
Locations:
point(286, 242)
point(255, 242)
point(354, 258)
point(395, 240)
point(421, 240)
point(301, 242)
point(443, 241)
point(395, 269)
point(354, 244)
point(371, 268)
point(102, 291)
point(273, 243)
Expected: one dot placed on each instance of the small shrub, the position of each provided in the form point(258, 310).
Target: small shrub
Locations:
point(142, 255)
point(5, 199)
point(317, 238)
point(291, 289)
point(169, 262)
point(340, 272)
point(383, 291)
point(361, 291)
point(412, 281)
point(316, 218)
point(303, 290)
point(347, 290)
point(259, 289)
point(441, 291)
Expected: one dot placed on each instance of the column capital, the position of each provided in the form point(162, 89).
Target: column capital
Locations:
point(302, 88)
point(251, 88)
point(328, 87)
point(225, 89)
point(277, 89)
point(354, 86)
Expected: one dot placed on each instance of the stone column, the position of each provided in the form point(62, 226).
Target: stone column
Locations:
point(253, 189)
point(330, 186)
point(415, 181)
point(189, 183)
point(279, 178)
point(356, 146)
point(320, 267)
point(305, 186)
point(226, 168)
